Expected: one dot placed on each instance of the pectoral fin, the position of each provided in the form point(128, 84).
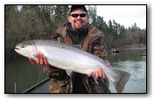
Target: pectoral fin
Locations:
point(69, 72)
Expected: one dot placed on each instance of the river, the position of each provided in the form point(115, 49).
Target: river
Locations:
point(134, 62)
point(20, 74)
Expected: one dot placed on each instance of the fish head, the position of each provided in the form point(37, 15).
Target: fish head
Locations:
point(27, 49)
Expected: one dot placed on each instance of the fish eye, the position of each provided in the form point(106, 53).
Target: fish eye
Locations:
point(22, 46)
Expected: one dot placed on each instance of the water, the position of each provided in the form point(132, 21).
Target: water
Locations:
point(134, 62)
point(20, 74)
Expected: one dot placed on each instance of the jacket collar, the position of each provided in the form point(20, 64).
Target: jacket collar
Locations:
point(77, 36)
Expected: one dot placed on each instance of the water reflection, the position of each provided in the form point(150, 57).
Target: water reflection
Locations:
point(20, 74)
point(133, 62)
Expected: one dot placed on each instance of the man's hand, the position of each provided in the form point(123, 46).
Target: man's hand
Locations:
point(98, 73)
point(41, 59)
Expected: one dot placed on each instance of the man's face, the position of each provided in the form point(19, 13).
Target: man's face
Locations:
point(78, 19)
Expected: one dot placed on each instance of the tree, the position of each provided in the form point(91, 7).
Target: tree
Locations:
point(36, 21)
point(92, 14)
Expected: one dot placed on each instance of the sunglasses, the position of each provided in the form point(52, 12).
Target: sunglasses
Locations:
point(76, 15)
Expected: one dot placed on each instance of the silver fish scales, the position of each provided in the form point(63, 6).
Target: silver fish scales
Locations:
point(70, 58)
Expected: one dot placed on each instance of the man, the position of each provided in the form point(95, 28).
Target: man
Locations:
point(78, 32)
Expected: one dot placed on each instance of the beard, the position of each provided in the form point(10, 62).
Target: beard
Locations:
point(79, 24)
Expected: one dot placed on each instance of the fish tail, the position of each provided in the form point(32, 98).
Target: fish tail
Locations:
point(120, 84)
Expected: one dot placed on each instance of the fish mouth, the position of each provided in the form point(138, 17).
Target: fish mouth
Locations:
point(17, 49)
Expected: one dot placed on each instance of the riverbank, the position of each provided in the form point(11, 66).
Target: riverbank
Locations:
point(134, 46)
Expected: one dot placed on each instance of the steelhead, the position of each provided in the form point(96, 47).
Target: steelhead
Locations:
point(70, 58)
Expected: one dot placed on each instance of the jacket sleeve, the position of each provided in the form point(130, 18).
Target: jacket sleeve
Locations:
point(51, 70)
point(60, 82)
point(99, 48)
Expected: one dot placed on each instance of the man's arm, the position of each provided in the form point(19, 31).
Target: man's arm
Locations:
point(99, 48)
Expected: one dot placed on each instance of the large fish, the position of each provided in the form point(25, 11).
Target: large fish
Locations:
point(70, 58)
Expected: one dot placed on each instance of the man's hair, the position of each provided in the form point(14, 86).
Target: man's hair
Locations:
point(74, 7)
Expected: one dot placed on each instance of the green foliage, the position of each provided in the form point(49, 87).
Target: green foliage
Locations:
point(117, 35)
point(31, 22)
point(36, 21)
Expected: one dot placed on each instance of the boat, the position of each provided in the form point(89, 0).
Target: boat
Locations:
point(39, 88)
point(115, 50)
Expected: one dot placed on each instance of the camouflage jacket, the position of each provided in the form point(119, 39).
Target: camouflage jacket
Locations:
point(60, 82)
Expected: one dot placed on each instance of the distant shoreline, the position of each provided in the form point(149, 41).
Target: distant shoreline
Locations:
point(129, 47)
point(133, 46)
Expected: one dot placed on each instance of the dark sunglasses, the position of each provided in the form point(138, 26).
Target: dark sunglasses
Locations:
point(76, 15)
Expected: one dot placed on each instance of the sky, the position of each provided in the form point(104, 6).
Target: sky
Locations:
point(126, 15)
